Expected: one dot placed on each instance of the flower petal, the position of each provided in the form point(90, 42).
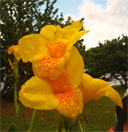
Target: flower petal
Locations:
point(76, 26)
point(67, 32)
point(32, 47)
point(36, 93)
point(75, 37)
point(48, 32)
point(14, 49)
point(53, 67)
point(48, 67)
point(70, 103)
point(75, 67)
point(96, 88)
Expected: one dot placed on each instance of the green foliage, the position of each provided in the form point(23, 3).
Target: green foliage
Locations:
point(109, 57)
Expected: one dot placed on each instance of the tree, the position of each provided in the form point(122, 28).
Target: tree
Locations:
point(109, 57)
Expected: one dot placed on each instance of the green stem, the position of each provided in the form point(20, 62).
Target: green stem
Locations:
point(32, 121)
point(15, 83)
point(81, 128)
point(17, 106)
point(24, 117)
point(17, 117)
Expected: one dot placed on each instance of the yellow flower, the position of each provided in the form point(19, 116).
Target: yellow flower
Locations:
point(68, 92)
point(49, 50)
point(58, 81)
point(61, 93)
point(14, 49)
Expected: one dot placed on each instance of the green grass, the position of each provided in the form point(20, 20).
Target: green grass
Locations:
point(99, 114)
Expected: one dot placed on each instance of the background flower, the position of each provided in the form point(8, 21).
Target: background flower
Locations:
point(14, 49)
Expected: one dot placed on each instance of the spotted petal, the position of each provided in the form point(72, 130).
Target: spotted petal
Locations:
point(71, 75)
point(70, 103)
point(49, 67)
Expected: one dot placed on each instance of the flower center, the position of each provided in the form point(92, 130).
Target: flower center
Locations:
point(57, 49)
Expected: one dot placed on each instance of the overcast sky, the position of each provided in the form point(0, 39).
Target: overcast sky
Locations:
point(106, 19)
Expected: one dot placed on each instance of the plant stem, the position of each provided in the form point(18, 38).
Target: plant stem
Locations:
point(81, 128)
point(15, 83)
point(25, 122)
point(17, 117)
point(32, 120)
point(17, 106)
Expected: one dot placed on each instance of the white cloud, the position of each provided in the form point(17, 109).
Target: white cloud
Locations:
point(104, 22)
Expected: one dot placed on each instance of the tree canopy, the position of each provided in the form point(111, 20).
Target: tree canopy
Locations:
point(109, 60)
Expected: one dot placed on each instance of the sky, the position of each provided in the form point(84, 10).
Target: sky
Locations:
point(106, 19)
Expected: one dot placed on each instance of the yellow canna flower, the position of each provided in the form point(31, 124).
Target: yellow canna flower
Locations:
point(68, 92)
point(58, 81)
point(49, 50)
point(14, 49)
point(61, 93)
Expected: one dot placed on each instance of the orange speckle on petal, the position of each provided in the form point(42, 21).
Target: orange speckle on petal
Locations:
point(66, 98)
point(60, 84)
point(48, 67)
point(70, 103)
point(57, 49)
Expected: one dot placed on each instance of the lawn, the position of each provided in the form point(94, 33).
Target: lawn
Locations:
point(100, 116)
